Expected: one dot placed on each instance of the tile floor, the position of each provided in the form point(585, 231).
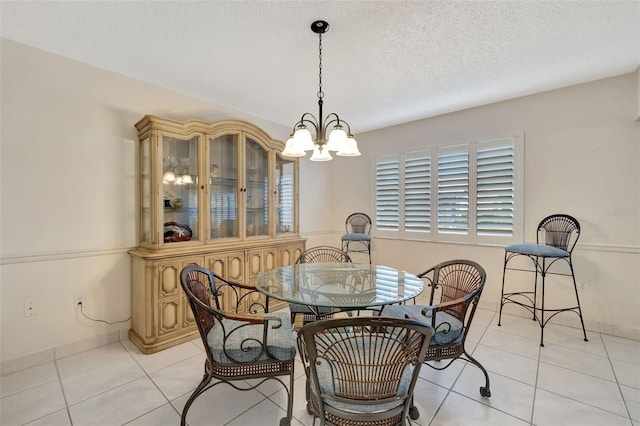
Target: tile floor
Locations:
point(568, 382)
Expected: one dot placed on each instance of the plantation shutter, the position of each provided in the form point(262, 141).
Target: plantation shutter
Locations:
point(453, 191)
point(388, 193)
point(495, 187)
point(417, 192)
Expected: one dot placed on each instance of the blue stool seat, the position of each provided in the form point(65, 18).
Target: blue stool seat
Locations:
point(356, 237)
point(540, 250)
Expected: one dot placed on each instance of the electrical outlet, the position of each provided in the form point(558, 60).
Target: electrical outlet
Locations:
point(30, 308)
point(78, 301)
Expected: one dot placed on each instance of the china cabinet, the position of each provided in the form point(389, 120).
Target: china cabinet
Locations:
point(215, 194)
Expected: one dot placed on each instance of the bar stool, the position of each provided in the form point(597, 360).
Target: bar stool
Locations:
point(358, 236)
point(559, 233)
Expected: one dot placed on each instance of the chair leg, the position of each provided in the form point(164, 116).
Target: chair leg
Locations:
point(485, 390)
point(196, 393)
point(286, 421)
point(414, 413)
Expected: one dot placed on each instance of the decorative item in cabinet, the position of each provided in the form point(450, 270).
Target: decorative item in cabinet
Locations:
point(216, 194)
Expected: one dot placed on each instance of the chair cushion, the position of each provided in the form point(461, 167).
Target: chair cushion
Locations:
point(449, 329)
point(542, 250)
point(327, 386)
point(280, 341)
point(356, 237)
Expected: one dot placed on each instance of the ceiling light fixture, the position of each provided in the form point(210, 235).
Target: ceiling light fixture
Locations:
point(339, 140)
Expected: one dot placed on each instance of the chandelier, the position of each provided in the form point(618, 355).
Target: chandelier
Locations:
point(339, 140)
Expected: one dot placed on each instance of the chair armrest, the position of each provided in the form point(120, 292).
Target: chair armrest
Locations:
point(255, 319)
point(252, 319)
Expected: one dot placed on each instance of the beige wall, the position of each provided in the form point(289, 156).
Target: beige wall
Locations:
point(582, 157)
point(69, 204)
point(68, 195)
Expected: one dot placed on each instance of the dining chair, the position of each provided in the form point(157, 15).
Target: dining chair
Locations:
point(556, 238)
point(362, 371)
point(358, 236)
point(455, 289)
point(239, 346)
point(315, 255)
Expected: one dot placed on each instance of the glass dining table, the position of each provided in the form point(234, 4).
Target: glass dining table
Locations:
point(343, 286)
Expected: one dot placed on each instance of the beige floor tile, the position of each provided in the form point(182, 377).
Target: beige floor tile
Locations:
point(59, 418)
point(581, 387)
point(632, 399)
point(577, 360)
point(554, 410)
point(513, 343)
point(28, 378)
point(510, 396)
point(93, 381)
point(118, 406)
point(179, 378)
point(460, 410)
point(154, 362)
point(221, 404)
point(163, 416)
point(508, 364)
point(578, 383)
point(31, 404)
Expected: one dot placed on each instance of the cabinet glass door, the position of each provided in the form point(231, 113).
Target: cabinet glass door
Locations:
point(223, 178)
point(145, 182)
point(257, 189)
point(284, 195)
point(180, 190)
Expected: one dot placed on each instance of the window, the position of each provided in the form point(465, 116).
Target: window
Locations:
point(464, 193)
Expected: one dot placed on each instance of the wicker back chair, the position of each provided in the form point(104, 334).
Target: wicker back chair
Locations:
point(239, 346)
point(455, 289)
point(361, 371)
point(358, 236)
point(316, 255)
point(556, 238)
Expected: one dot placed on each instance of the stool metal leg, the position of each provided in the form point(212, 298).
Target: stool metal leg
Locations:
point(543, 272)
point(575, 287)
point(504, 272)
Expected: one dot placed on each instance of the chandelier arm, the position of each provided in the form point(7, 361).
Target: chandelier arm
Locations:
point(308, 118)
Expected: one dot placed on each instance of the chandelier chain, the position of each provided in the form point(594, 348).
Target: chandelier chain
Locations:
point(320, 92)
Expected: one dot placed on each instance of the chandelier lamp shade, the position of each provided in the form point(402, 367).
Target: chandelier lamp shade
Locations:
point(340, 138)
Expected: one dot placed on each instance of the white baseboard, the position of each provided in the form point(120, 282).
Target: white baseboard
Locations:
point(568, 321)
point(64, 351)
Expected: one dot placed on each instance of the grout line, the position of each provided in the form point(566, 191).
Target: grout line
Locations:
point(615, 376)
point(64, 394)
point(535, 384)
point(154, 384)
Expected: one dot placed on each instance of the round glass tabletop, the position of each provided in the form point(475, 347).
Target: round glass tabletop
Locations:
point(339, 285)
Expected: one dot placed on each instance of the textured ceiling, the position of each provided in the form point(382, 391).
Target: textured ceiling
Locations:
point(385, 62)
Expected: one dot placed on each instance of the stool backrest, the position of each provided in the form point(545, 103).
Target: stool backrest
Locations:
point(358, 223)
point(559, 230)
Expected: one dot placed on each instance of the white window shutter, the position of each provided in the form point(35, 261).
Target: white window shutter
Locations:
point(453, 191)
point(417, 192)
point(495, 187)
point(387, 193)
